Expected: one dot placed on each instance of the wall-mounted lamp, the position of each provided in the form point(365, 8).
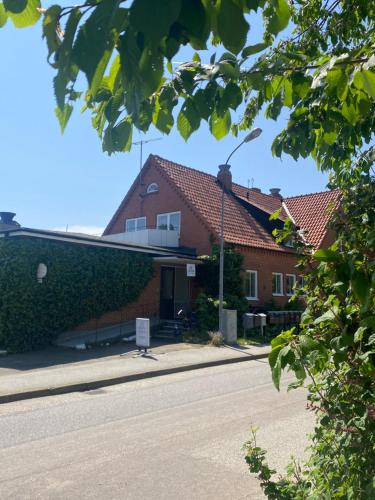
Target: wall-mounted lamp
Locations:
point(41, 272)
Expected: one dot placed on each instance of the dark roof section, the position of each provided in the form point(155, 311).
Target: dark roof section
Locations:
point(98, 241)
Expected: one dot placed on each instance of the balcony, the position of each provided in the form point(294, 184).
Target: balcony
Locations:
point(153, 237)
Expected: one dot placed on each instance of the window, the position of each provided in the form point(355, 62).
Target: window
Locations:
point(277, 284)
point(290, 283)
point(137, 224)
point(251, 283)
point(289, 242)
point(171, 221)
point(152, 188)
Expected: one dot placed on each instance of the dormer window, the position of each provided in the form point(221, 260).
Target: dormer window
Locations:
point(152, 188)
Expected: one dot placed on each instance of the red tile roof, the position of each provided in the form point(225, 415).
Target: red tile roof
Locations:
point(203, 193)
point(312, 212)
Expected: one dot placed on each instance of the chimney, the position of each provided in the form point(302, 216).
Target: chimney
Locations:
point(7, 222)
point(275, 192)
point(224, 177)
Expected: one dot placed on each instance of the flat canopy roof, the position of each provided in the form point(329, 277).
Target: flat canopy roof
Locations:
point(96, 241)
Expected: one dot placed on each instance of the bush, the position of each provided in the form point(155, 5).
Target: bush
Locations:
point(82, 283)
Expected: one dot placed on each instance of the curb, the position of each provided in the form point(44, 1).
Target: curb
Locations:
point(98, 384)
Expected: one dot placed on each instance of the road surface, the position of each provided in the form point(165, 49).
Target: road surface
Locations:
point(173, 437)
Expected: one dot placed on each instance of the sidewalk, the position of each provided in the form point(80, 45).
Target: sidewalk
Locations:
point(54, 371)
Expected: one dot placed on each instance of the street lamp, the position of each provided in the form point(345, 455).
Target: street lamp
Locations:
point(225, 167)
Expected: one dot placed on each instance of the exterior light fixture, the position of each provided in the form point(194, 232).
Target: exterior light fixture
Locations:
point(41, 272)
point(250, 137)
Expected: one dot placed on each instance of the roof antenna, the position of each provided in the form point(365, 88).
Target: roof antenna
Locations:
point(140, 143)
point(252, 182)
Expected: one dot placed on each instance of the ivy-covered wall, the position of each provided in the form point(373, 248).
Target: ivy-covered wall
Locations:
point(82, 283)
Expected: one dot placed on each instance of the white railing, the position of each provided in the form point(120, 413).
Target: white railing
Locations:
point(153, 237)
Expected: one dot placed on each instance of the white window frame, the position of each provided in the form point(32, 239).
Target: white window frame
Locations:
point(281, 294)
point(254, 273)
point(294, 284)
point(135, 219)
point(152, 188)
point(168, 214)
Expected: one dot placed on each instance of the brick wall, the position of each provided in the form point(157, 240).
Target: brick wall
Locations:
point(266, 262)
point(194, 233)
point(147, 305)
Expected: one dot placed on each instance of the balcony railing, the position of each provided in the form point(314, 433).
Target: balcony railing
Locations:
point(149, 236)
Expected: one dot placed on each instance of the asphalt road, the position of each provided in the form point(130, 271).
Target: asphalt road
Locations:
point(178, 436)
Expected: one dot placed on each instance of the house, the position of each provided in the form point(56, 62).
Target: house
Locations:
point(170, 205)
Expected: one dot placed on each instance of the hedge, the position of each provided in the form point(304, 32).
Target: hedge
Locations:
point(82, 283)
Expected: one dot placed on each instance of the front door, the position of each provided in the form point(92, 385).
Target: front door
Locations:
point(167, 292)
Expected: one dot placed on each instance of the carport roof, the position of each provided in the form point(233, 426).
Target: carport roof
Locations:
point(96, 241)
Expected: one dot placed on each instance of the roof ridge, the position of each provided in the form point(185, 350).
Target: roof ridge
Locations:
point(157, 157)
point(311, 194)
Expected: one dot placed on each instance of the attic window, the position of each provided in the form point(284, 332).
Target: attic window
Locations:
point(152, 188)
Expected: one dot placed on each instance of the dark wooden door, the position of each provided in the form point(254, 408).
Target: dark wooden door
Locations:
point(167, 292)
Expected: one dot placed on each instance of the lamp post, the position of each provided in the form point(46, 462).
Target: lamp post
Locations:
point(250, 137)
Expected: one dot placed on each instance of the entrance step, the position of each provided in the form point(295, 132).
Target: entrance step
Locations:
point(170, 329)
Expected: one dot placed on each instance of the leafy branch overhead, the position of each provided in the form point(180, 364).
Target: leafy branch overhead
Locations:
point(322, 71)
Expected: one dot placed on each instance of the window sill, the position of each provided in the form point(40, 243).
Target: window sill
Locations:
point(278, 294)
point(290, 294)
point(252, 298)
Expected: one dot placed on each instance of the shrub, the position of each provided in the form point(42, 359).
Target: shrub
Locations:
point(82, 283)
point(216, 338)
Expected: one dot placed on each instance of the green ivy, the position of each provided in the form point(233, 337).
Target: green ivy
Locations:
point(81, 283)
point(207, 303)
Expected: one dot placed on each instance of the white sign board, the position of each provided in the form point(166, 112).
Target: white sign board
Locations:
point(190, 270)
point(142, 332)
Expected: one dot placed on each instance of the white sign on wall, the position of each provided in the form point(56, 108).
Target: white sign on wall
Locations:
point(190, 270)
point(142, 332)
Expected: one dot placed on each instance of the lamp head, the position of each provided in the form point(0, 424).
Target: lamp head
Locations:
point(253, 134)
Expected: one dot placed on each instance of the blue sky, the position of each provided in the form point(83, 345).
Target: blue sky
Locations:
point(52, 180)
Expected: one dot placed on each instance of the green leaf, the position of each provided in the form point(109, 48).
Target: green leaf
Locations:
point(66, 71)
point(288, 93)
point(231, 24)
point(232, 96)
point(308, 344)
point(15, 6)
point(96, 39)
point(220, 124)
point(50, 22)
point(118, 138)
point(365, 80)
point(360, 286)
point(279, 364)
point(350, 113)
point(150, 70)
point(154, 18)
point(195, 23)
point(23, 13)
point(280, 15)
point(358, 336)
point(327, 316)
point(188, 119)
point(253, 49)
point(63, 115)
point(326, 255)
point(3, 15)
